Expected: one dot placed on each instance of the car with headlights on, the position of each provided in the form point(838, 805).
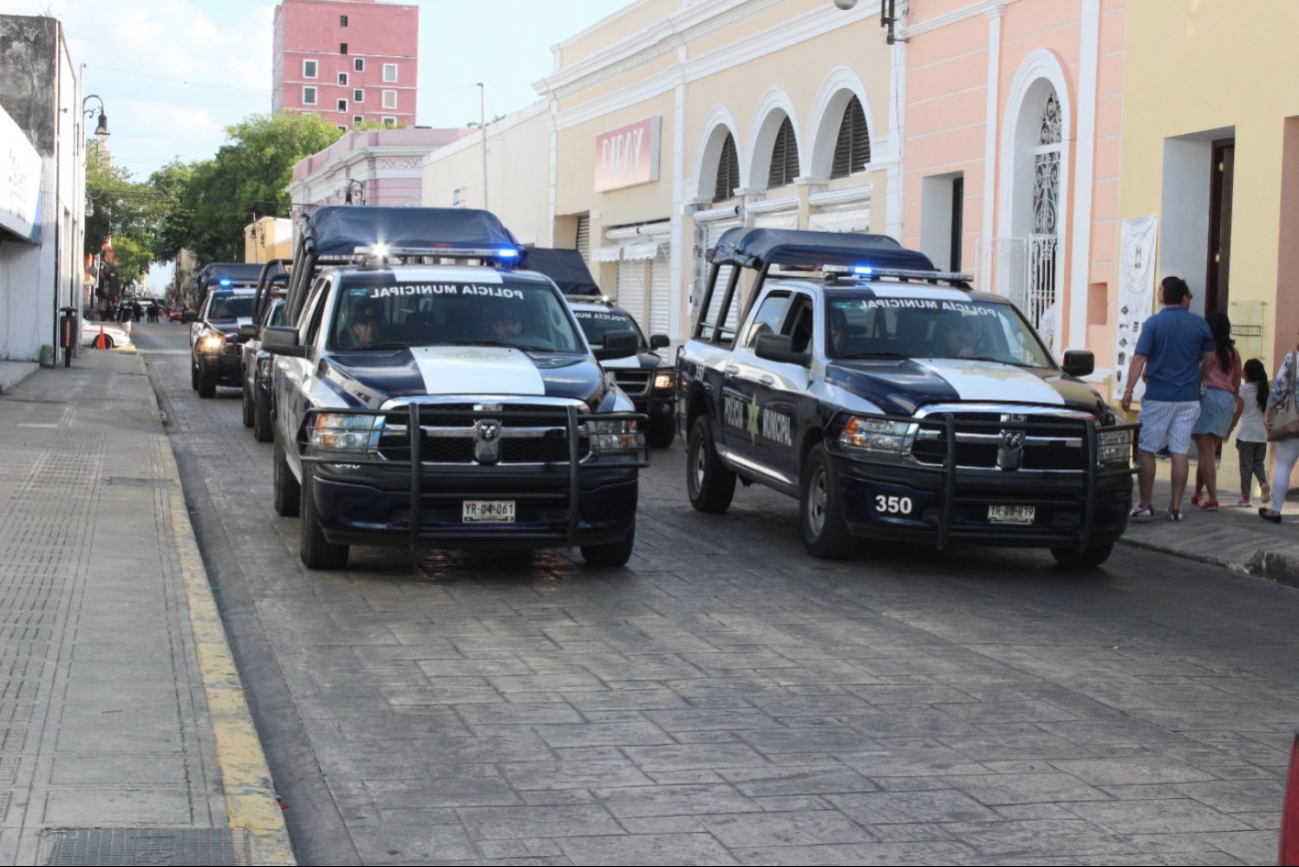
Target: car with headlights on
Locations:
point(894, 402)
point(215, 343)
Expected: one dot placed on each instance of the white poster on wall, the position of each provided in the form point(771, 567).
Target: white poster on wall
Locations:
point(1137, 245)
point(20, 182)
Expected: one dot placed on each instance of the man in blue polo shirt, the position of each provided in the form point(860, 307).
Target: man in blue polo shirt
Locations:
point(1176, 352)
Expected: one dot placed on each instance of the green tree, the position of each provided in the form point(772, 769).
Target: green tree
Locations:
point(374, 124)
point(247, 177)
point(122, 211)
point(171, 186)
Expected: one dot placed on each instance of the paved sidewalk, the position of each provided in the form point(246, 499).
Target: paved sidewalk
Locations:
point(124, 736)
point(1233, 537)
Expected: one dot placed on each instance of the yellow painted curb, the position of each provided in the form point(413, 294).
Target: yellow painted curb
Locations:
point(251, 802)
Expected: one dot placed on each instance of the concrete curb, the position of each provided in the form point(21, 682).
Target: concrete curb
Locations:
point(1280, 567)
point(251, 802)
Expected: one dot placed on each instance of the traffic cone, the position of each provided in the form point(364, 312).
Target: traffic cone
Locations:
point(100, 343)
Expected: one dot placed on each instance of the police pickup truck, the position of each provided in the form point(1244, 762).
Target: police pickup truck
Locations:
point(215, 344)
point(424, 402)
point(894, 403)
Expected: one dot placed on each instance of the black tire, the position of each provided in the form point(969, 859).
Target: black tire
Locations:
point(316, 551)
point(193, 375)
point(247, 406)
point(1088, 558)
point(820, 509)
point(611, 556)
point(662, 436)
point(263, 431)
point(288, 492)
point(206, 387)
point(710, 484)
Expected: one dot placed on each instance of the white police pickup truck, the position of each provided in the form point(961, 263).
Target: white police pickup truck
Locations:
point(423, 402)
point(894, 403)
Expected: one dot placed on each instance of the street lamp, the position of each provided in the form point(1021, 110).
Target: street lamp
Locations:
point(101, 129)
point(357, 185)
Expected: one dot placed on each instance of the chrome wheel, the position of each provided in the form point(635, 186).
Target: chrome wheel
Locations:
point(816, 507)
point(701, 465)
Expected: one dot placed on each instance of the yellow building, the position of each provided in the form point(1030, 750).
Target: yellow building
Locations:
point(268, 238)
point(1211, 149)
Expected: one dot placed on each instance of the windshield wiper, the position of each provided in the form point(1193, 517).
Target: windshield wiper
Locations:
point(998, 361)
point(377, 346)
point(861, 355)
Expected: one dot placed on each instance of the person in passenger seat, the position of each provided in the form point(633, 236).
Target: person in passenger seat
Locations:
point(959, 336)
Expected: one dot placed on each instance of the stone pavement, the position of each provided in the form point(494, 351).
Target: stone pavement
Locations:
point(1232, 537)
point(119, 724)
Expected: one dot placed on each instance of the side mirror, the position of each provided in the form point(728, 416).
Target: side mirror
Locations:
point(660, 341)
point(780, 348)
point(283, 340)
point(1079, 362)
point(189, 316)
point(617, 344)
point(247, 332)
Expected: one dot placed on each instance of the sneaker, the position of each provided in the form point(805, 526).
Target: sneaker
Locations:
point(1244, 503)
point(1142, 513)
point(1196, 498)
point(1174, 515)
point(1209, 506)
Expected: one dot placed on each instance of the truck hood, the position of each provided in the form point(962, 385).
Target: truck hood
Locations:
point(901, 386)
point(371, 378)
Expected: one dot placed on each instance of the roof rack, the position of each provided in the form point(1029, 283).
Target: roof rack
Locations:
point(760, 248)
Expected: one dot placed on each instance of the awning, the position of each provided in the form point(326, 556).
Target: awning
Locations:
point(640, 252)
point(606, 254)
point(847, 220)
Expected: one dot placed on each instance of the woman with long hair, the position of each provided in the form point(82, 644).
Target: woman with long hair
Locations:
point(1251, 439)
point(1217, 412)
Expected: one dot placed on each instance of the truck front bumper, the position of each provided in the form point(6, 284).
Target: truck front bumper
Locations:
point(221, 369)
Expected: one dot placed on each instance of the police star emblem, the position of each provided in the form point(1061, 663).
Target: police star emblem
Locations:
point(752, 419)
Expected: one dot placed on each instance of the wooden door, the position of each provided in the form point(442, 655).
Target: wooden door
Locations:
point(1217, 283)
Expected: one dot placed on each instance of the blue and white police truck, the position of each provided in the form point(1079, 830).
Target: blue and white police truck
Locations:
point(429, 392)
point(894, 402)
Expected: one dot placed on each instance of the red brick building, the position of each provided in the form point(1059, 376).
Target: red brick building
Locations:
point(347, 60)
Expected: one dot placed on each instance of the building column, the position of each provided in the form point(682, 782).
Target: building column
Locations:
point(988, 243)
point(1085, 163)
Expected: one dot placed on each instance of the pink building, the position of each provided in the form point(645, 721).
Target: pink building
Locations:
point(377, 167)
point(347, 60)
point(1012, 117)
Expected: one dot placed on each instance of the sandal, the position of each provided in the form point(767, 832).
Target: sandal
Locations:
point(1174, 515)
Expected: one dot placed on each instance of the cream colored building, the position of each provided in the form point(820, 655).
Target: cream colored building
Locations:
point(665, 124)
point(268, 238)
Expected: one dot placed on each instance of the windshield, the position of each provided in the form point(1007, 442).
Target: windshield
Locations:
point(596, 323)
point(230, 307)
point(919, 327)
point(525, 316)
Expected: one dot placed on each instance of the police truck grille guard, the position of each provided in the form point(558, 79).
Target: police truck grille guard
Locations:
point(435, 474)
point(951, 428)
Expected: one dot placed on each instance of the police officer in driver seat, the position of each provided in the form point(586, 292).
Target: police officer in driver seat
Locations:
point(363, 330)
point(959, 335)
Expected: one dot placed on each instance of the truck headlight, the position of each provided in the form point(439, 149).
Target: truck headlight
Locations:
point(1114, 447)
point(614, 435)
point(356, 433)
point(211, 343)
point(665, 380)
point(878, 435)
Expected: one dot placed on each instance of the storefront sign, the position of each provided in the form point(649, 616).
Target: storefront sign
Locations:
point(1136, 294)
point(628, 156)
point(20, 182)
point(460, 197)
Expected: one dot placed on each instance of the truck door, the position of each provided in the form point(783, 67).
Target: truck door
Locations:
point(292, 375)
point(782, 391)
point(743, 376)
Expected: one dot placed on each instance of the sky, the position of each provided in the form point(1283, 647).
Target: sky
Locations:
point(174, 73)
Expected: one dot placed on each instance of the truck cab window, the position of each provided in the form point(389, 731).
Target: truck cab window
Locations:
point(768, 319)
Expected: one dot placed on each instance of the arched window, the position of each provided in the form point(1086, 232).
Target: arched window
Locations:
point(1046, 168)
point(852, 150)
point(784, 157)
point(728, 171)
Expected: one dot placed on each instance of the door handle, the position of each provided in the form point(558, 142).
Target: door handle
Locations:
point(767, 379)
point(731, 369)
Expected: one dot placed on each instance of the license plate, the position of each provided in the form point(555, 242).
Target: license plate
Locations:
point(488, 512)
point(1012, 514)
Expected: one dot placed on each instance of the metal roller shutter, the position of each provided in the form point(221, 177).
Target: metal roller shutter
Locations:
point(660, 292)
point(712, 234)
point(584, 237)
point(631, 290)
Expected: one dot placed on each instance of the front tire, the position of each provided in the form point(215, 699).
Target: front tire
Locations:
point(820, 509)
point(1088, 558)
point(317, 552)
point(263, 431)
point(247, 406)
point(710, 484)
point(193, 375)
point(206, 388)
point(662, 436)
point(288, 493)
point(613, 555)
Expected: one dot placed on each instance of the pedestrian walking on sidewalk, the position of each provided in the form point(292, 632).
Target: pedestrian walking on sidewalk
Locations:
point(1217, 411)
point(1175, 351)
point(1282, 423)
point(1251, 439)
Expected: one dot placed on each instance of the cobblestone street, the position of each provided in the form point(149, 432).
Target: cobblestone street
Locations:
point(727, 699)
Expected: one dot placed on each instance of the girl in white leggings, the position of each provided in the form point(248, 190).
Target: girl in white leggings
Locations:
point(1286, 388)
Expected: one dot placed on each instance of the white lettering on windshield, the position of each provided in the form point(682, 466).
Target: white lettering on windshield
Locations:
point(454, 289)
point(930, 304)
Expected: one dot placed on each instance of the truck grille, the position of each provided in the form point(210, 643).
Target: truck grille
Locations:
point(447, 437)
point(1050, 443)
point(636, 383)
